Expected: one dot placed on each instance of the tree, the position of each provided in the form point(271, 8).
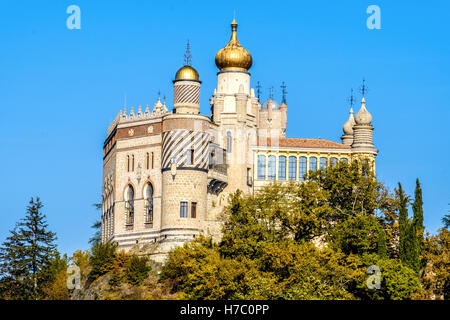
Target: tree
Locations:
point(137, 270)
point(26, 254)
point(381, 245)
point(97, 226)
point(102, 259)
point(437, 272)
point(403, 201)
point(418, 212)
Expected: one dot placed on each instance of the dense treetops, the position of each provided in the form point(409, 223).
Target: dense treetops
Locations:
point(339, 235)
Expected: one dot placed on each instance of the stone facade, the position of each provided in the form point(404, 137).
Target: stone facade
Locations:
point(167, 174)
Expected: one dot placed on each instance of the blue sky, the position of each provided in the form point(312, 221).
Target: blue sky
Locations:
point(61, 88)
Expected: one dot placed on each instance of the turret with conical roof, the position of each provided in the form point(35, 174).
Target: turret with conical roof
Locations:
point(363, 131)
point(347, 137)
point(186, 87)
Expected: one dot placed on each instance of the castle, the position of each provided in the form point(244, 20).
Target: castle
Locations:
point(167, 174)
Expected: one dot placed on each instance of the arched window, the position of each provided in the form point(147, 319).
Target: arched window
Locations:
point(302, 168)
point(282, 168)
point(129, 204)
point(261, 167)
point(229, 141)
point(148, 196)
point(333, 162)
point(323, 163)
point(313, 164)
point(271, 167)
point(365, 167)
point(292, 168)
point(344, 160)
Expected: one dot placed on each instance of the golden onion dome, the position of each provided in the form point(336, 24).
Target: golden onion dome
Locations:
point(234, 56)
point(187, 73)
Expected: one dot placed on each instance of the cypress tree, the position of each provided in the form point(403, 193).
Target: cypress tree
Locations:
point(411, 258)
point(26, 253)
point(418, 212)
point(402, 221)
point(381, 245)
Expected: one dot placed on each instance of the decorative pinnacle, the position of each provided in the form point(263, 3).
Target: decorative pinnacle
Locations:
point(271, 93)
point(351, 99)
point(187, 55)
point(258, 89)
point(283, 92)
point(364, 89)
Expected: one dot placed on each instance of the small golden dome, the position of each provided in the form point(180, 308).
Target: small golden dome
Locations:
point(187, 73)
point(234, 56)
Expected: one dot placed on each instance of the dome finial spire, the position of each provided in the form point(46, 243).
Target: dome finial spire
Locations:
point(187, 55)
point(234, 57)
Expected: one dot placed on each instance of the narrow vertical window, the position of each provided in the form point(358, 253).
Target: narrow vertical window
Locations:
point(271, 167)
point(282, 168)
point(302, 168)
point(323, 163)
point(128, 163)
point(193, 209)
point(183, 209)
point(147, 161)
point(261, 167)
point(129, 204)
point(132, 162)
point(229, 142)
point(292, 168)
point(153, 158)
point(190, 156)
point(313, 164)
point(149, 203)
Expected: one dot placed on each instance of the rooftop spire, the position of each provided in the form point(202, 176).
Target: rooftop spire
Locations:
point(187, 55)
point(283, 92)
point(351, 99)
point(364, 89)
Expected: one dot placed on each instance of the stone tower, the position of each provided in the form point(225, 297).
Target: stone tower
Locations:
point(184, 163)
point(234, 109)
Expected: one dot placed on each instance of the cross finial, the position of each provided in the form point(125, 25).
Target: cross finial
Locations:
point(164, 98)
point(271, 93)
point(283, 92)
point(258, 89)
point(187, 55)
point(364, 89)
point(159, 93)
point(351, 99)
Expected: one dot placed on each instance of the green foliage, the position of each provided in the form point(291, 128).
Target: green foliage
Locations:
point(97, 226)
point(398, 282)
point(381, 245)
point(273, 244)
point(137, 270)
point(102, 259)
point(437, 273)
point(26, 255)
point(356, 235)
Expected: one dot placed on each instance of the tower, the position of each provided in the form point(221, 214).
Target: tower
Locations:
point(235, 110)
point(184, 162)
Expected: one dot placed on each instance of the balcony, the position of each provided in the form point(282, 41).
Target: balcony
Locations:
point(217, 169)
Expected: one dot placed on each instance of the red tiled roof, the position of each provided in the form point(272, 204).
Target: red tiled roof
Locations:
point(301, 143)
